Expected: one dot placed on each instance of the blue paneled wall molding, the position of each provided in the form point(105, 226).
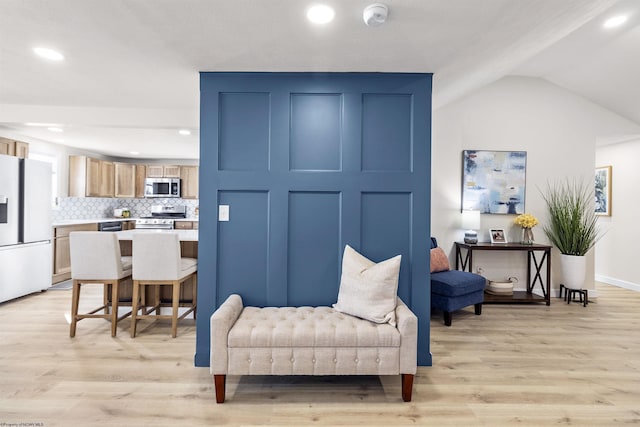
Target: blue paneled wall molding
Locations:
point(307, 163)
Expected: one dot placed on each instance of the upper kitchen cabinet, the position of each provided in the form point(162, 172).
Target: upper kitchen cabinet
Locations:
point(125, 181)
point(141, 175)
point(22, 149)
point(107, 179)
point(90, 177)
point(7, 147)
point(163, 171)
point(189, 184)
point(10, 147)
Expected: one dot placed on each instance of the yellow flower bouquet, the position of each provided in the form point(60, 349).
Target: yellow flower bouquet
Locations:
point(526, 220)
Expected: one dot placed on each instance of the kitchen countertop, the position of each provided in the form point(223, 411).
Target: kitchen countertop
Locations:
point(88, 221)
point(64, 222)
point(183, 235)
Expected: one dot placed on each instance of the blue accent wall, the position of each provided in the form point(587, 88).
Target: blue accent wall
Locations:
point(310, 162)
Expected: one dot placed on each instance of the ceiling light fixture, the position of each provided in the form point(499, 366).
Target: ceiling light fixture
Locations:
point(52, 129)
point(134, 152)
point(616, 21)
point(320, 14)
point(47, 53)
point(375, 14)
point(184, 132)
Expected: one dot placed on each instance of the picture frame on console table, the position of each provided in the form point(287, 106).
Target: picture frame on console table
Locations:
point(497, 235)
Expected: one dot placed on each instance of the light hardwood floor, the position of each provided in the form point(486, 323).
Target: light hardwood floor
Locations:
point(525, 365)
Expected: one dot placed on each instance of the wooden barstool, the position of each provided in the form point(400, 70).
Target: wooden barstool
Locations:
point(96, 259)
point(157, 261)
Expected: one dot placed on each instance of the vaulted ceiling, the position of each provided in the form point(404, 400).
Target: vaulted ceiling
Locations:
point(129, 80)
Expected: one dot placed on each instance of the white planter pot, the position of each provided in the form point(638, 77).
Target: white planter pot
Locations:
point(574, 271)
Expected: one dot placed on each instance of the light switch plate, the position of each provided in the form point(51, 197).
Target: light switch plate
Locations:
point(223, 213)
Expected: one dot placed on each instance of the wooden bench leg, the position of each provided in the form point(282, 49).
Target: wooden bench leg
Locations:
point(407, 386)
point(220, 383)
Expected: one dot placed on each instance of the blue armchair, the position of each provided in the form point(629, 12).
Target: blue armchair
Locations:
point(453, 289)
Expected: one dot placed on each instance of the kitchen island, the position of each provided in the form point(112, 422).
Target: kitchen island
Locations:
point(188, 240)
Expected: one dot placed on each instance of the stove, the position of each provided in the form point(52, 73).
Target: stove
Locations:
point(162, 217)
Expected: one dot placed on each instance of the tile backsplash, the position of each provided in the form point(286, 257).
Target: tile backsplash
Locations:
point(101, 207)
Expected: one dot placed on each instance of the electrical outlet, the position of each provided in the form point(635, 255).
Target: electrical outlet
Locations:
point(479, 270)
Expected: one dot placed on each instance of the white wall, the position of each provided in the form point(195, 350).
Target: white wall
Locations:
point(556, 128)
point(615, 257)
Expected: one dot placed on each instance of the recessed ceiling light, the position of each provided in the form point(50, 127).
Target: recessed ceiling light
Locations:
point(52, 129)
point(616, 21)
point(184, 132)
point(320, 14)
point(134, 152)
point(47, 53)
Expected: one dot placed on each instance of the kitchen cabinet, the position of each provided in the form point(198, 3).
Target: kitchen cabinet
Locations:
point(10, 147)
point(89, 177)
point(141, 174)
point(189, 183)
point(172, 171)
point(62, 252)
point(22, 149)
point(163, 171)
point(7, 147)
point(107, 179)
point(155, 171)
point(185, 225)
point(125, 180)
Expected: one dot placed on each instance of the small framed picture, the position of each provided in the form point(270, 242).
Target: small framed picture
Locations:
point(497, 235)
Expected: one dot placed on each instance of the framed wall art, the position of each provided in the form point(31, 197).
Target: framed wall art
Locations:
point(493, 182)
point(603, 190)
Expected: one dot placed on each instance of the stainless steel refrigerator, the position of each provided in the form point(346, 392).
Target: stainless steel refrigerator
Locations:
point(25, 227)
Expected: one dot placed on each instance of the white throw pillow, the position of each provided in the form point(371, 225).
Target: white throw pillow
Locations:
point(368, 290)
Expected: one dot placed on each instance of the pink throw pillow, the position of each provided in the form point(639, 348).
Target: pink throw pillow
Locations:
point(439, 260)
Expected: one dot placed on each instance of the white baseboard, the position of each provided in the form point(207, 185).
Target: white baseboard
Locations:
point(618, 283)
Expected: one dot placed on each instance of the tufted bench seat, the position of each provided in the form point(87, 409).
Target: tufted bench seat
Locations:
point(309, 341)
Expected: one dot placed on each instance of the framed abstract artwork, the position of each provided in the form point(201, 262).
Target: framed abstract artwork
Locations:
point(603, 190)
point(493, 182)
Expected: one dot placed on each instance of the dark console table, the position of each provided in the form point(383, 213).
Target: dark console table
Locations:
point(538, 256)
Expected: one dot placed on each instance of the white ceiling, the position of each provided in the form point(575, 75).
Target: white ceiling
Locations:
point(130, 79)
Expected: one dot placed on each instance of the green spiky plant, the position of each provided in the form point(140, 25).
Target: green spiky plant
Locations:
point(573, 224)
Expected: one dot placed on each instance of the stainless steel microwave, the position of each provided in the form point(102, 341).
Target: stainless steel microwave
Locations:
point(162, 187)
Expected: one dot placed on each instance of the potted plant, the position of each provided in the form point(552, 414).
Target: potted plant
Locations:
point(572, 227)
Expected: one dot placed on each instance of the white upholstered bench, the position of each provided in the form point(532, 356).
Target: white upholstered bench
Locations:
point(309, 341)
